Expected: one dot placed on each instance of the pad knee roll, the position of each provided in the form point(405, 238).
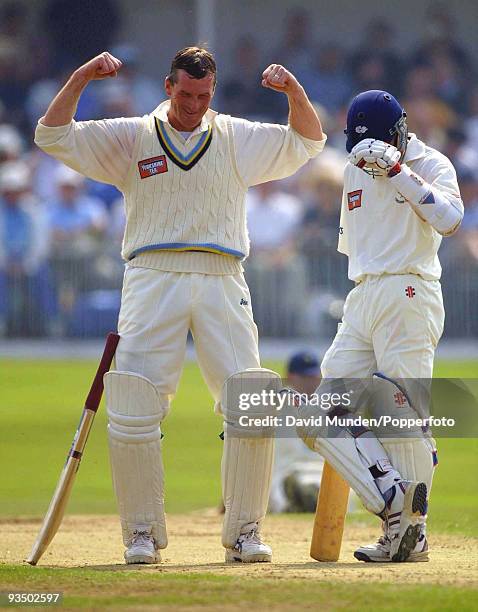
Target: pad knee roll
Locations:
point(135, 411)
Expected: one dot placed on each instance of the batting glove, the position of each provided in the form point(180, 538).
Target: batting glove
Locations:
point(376, 158)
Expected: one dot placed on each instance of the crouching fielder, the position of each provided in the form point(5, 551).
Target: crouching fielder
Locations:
point(400, 197)
point(184, 171)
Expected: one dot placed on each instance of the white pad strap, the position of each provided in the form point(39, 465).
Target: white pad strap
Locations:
point(135, 410)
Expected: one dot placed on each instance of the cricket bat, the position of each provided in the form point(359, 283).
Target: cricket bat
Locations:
point(329, 516)
point(59, 501)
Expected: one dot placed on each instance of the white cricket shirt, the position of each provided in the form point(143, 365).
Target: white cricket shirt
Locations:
point(379, 230)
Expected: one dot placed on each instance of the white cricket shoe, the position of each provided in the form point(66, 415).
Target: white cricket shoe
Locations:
point(249, 549)
point(141, 548)
point(404, 536)
point(380, 551)
point(409, 508)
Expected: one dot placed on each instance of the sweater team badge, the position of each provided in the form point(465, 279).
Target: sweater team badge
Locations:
point(152, 166)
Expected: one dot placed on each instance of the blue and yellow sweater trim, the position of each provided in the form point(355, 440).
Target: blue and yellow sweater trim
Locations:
point(185, 162)
point(205, 247)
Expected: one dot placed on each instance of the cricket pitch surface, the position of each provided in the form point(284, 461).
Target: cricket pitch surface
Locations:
point(195, 547)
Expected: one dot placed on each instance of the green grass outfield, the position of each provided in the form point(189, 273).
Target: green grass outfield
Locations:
point(40, 405)
point(135, 590)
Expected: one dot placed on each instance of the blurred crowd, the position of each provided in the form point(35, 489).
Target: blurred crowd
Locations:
point(60, 268)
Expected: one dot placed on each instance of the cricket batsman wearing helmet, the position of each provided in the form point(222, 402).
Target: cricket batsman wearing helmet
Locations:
point(400, 198)
point(184, 171)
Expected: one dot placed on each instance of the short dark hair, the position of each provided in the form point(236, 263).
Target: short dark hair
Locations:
point(196, 61)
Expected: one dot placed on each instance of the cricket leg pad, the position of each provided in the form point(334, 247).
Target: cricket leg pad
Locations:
point(354, 451)
point(135, 410)
point(246, 479)
point(415, 458)
point(346, 455)
point(248, 451)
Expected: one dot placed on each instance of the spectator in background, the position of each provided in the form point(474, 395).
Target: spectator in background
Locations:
point(272, 218)
point(275, 271)
point(297, 470)
point(440, 37)
point(15, 63)
point(378, 42)
point(10, 143)
point(460, 265)
point(240, 95)
point(296, 47)
point(41, 92)
point(471, 123)
point(322, 188)
point(371, 73)
point(329, 83)
point(428, 116)
point(450, 81)
point(457, 149)
point(327, 277)
point(77, 222)
point(79, 30)
point(12, 85)
point(131, 93)
point(76, 219)
point(468, 182)
point(27, 301)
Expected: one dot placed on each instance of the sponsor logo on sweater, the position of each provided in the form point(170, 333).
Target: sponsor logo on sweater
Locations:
point(153, 165)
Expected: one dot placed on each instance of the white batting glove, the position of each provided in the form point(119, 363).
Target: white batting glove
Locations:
point(376, 158)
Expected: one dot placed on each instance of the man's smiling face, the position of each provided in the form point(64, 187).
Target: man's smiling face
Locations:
point(190, 99)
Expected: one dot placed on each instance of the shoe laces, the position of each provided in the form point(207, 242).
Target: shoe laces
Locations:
point(141, 537)
point(250, 536)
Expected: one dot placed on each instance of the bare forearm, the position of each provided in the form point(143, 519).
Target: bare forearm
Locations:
point(302, 115)
point(63, 107)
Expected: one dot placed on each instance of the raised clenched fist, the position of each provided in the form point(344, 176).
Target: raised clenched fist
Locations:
point(279, 78)
point(102, 66)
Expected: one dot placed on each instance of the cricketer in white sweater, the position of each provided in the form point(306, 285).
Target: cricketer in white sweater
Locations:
point(186, 235)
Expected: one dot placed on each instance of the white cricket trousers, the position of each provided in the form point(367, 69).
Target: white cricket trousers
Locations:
point(391, 324)
point(159, 308)
point(157, 311)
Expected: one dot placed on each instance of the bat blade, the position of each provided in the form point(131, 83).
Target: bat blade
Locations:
point(330, 516)
point(59, 501)
point(56, 510)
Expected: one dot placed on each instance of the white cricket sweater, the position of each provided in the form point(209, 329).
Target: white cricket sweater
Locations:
point(184, 198)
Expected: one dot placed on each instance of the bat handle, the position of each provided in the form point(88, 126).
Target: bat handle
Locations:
point(96, 390)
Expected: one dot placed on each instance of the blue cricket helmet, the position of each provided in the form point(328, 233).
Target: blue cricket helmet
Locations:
point(376, 114)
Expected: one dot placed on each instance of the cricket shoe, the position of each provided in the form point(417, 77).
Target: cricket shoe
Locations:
point(249, 549)
point(141, 548)
point(380, 551)
point(405, 516)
